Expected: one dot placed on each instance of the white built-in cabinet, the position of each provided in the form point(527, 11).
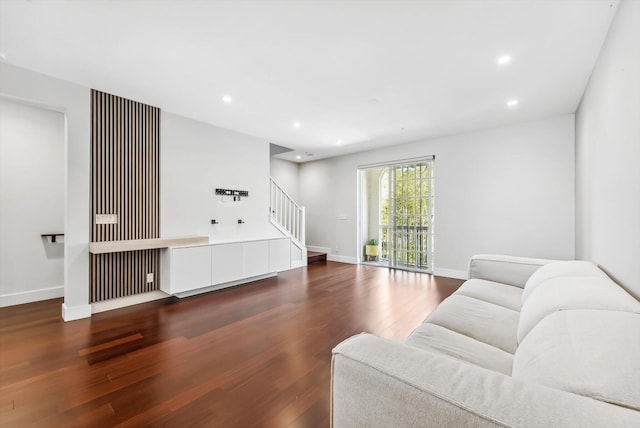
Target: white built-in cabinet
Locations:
point(190, 266)
point(280, 255)
point(188, 269)
point(227, 263)
point(253, 260)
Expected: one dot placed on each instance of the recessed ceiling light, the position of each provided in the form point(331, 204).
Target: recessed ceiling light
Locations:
point(339, 142)
point(512, 103)
point(504, 60)
point(298, 157)
point(296, 124)
point(227, 99)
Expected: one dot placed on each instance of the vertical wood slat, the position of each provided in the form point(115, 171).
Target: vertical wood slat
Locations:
point(125, 163)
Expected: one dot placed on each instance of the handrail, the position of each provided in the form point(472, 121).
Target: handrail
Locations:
point(273, 182)
point(286, 213)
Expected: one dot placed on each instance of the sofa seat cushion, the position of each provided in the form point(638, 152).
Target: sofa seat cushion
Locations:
point(595, 353)
point(441, 340)
point(557, 270)
point(507, 296)
point(576, 292)
point(480, 320)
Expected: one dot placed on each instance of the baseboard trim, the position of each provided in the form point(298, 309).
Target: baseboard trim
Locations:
point(333, 257)
point(31, 296)
point(72, 313)
point(451, 273)
point(122, 302)
point(319, 249)
point(342, 259)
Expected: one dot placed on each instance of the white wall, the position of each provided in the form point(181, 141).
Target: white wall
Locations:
point(74, 101)
point(196, 158)
point(507, 190)
point(607, 155)
point(31, 203)
point(285, 173)
point(373, 203)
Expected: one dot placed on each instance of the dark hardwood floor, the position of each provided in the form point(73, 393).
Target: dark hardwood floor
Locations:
point(256, 355)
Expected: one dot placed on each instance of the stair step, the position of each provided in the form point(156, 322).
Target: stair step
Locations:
point(314, 256)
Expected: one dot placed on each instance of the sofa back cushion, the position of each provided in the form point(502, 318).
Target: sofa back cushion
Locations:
point(572, 292)
point(595, 353)
point(509, 270)
point(559, 269)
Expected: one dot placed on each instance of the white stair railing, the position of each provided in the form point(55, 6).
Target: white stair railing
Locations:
point(287, 214)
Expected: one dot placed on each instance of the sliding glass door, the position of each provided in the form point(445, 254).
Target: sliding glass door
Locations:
point(405, 214)
point(409, 237)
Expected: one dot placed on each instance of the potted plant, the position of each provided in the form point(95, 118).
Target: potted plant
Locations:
point(371, 249)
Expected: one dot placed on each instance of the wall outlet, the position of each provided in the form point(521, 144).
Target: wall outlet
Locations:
point(149, 277)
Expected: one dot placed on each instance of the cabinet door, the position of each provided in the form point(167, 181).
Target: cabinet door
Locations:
point(226, 262)
point(279, 254)
point(190, 268)
point(256, 258)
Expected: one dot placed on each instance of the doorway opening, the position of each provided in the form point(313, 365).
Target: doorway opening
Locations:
point(396, 214)
point(32, 197)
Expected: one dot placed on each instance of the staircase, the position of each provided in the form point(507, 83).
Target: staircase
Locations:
point(315, 257)
point(289, 217)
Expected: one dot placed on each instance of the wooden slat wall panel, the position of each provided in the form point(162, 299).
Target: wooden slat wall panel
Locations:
point(125, 162)
point(123, 274)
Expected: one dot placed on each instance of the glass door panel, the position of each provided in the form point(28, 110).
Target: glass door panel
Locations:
point(408, 234)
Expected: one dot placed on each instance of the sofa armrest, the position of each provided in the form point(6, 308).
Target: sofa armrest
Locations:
point(504, 269)
point(379, 383)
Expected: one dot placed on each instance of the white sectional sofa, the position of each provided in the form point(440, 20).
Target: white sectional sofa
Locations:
point(523, 343)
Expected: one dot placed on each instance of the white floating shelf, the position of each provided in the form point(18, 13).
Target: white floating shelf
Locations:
point(144, 244)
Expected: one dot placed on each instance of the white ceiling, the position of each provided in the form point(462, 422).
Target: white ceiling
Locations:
point(368, 73)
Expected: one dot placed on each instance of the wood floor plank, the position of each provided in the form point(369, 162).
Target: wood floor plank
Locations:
point(257, 355)
point(111, 344)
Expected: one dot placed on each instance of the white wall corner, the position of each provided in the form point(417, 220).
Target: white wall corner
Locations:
point(451, 273)
point(31, 296)
point(72, 313)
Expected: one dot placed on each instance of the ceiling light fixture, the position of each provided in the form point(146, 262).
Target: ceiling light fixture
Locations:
point(227, 99)
point(296, 124)
point(339, 142)
point(298, 157)
point(512, 103)
point(504, 60)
